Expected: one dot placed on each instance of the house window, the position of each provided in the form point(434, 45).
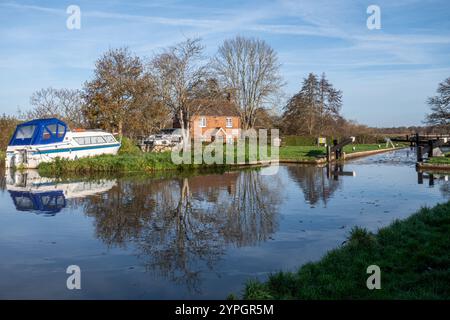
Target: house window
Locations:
point(202, 122)
point(229, 123)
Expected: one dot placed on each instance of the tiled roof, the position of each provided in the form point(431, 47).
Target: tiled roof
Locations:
point(222, 108)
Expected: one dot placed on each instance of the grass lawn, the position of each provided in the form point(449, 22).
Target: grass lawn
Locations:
point(302, 152)
point(413, 255)
point(440, 160)
point(363, 147)
point(314, 152)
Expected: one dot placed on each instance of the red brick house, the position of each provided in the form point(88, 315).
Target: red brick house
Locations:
point(213, 121)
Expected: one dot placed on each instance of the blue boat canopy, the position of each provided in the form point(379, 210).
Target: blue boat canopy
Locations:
point(40, 131)
point(49, 203)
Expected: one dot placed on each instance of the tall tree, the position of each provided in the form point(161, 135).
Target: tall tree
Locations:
point(303, 109)
point(7, 126)
point(120, 91)
point(250, 68)
point(178, 72)
point(440, 105)
point(65, 104)
point(314, 108)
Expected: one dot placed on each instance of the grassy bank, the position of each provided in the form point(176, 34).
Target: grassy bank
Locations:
point(131, 160)
point(440, 160)
point(128, 160)
point(110, 163)
point(413, 255)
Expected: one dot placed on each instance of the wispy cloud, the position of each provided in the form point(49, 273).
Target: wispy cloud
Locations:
point(320, 35)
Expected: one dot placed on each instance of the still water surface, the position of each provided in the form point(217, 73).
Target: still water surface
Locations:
point(193, 237)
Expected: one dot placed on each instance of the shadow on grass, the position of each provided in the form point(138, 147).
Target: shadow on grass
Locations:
point(315, 153)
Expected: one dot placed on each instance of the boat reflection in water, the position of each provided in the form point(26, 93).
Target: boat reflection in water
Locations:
point(33, 193)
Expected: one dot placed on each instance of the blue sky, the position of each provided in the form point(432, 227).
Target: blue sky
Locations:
point(386, 75)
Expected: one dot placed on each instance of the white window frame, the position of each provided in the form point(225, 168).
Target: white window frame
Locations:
point(230, 124)
point(202, 122)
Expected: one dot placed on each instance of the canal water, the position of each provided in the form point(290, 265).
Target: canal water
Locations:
point(189, 237)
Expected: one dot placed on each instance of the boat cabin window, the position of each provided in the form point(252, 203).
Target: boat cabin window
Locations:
point(55, 130)
point(25, 132)
point(110, 139)
point(97, 140)
point(61, 131)
point(46, 135)
point(52, 128)
point(51, 202)
point(81, 141)
point(94, 140)
point(24, 203)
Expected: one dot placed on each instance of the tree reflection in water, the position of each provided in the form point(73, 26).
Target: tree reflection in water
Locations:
point(248, 215)
point(181, 227)
point(315, 182)
point(2, 181)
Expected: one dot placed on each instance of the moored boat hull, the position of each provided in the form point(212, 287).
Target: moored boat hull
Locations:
point(44, 140)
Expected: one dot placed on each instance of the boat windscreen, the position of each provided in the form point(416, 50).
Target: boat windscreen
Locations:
point(25, 132)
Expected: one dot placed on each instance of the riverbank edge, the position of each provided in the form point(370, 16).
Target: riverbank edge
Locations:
point(412, 255)
point(346, 156)
point(52, 169)
point(433, 166)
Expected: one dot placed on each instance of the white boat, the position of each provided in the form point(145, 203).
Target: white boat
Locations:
point(44, 140)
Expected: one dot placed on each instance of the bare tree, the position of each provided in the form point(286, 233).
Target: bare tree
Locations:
point(178, 71)
point(249, 67)
point(65, 104)
point(440, 106)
